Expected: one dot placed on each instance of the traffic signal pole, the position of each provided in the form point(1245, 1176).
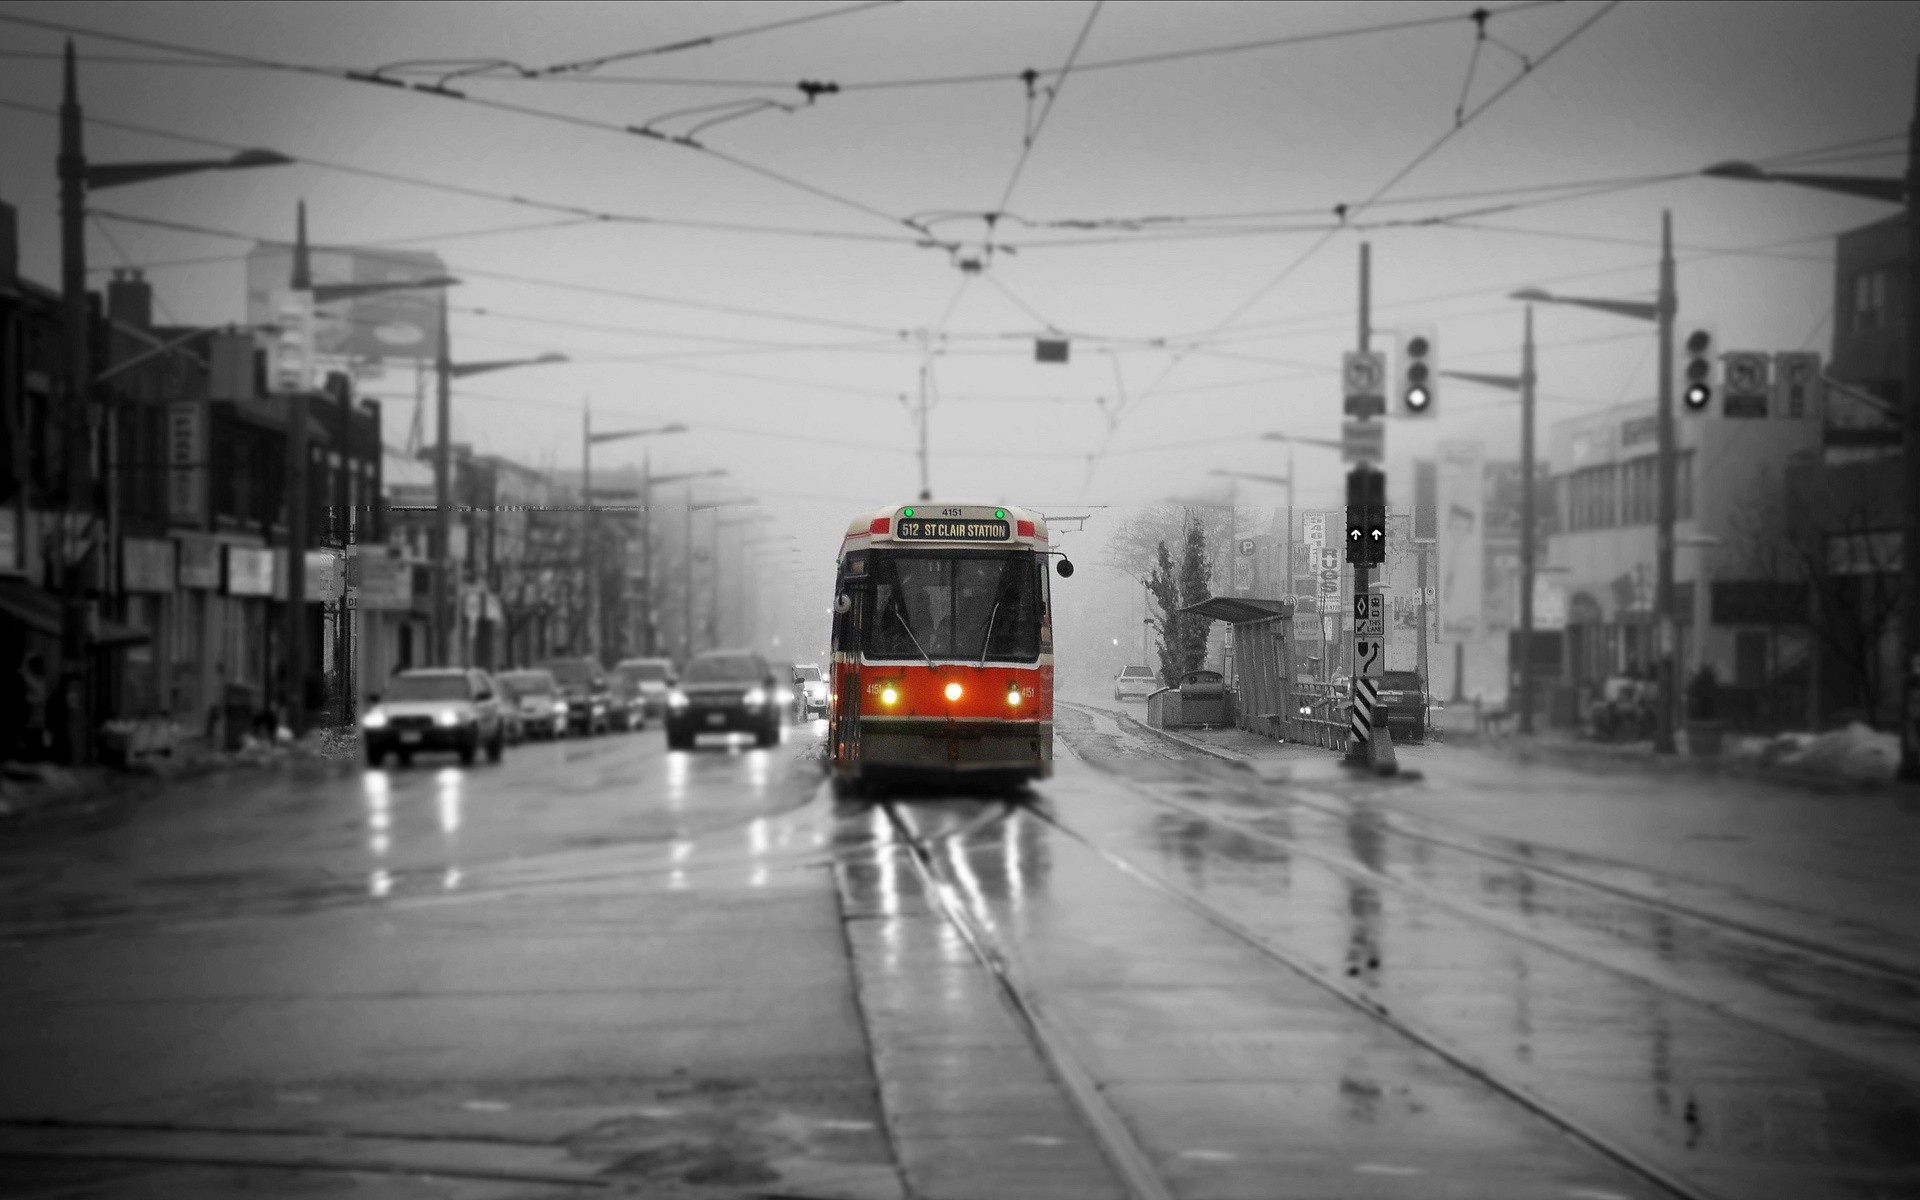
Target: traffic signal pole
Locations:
point(1356, 750)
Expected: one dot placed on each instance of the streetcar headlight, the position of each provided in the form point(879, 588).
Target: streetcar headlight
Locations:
point(953, 691)
point(889, 695)
point(1013, 697)
point(754, 698)
point(374, 720)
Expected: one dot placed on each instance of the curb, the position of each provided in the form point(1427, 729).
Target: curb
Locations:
point(1229, 756)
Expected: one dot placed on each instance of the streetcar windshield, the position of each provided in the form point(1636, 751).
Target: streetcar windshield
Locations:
point(976, 607)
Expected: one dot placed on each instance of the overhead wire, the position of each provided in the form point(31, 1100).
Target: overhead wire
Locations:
point(447, 188)
point(1032, 133)
point(1319, 243)
point(552, 115)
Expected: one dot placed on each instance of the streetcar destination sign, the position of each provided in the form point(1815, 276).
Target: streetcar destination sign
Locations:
point(923, 529)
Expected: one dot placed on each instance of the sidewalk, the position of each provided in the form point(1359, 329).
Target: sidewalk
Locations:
point(31, 787)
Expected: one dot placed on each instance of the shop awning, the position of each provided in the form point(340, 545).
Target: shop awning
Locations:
point(39, 610)
point(1240, 610)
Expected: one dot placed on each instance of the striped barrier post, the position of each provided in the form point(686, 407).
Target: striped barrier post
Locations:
point(1366, 697)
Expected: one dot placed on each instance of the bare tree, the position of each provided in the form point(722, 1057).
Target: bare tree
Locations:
point(1836, 550)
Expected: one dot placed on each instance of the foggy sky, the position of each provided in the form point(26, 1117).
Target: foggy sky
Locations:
point(812, 419)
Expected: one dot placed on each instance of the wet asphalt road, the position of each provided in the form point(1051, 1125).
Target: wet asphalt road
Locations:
point(601, 966)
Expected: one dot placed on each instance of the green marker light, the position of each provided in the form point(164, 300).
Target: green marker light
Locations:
point(1000, 514)
point(906, 512)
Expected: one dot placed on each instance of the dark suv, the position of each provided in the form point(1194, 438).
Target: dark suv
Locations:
point(583, 685)
point(725, 691)
point(1406, 704)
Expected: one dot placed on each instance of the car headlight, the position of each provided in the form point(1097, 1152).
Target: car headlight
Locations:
point(448, 717)
point(599, 708)
point(754, 698)
point(374, 720)
point(676, 699)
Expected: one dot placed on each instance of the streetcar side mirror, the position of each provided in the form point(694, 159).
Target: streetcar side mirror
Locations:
point(843, 604)
point(1065, 567)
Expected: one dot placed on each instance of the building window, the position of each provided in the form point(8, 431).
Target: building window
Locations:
point(1870, 301)
point(1639, 491)
point(1591, 498)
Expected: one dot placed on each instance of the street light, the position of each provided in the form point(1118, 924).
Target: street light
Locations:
point(1892, 191)
point(1522, 383)
point(1661, 312)
point(77, 178)
point(588, 440)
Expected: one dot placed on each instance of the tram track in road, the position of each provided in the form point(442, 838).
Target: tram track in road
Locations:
point(1827, 978)
point(1123, 1152)
point(1581, 1131)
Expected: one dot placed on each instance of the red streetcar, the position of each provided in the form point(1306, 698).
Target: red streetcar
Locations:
point(943, 646)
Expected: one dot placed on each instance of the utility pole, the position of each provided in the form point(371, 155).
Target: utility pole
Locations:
point(1526, 528)
point(294, 630)
point(1666, 305)
point(76, 685)
point(588, 527)
point(926, 488)
point(1910, 459)
point(442, 625)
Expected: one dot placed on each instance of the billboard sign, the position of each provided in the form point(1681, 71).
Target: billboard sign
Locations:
point(187, 462)
point(399, 324)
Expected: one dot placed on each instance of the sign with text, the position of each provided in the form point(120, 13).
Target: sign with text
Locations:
point(187, 462)
point(249, 571)
point(921, 529)
point(1370, 615)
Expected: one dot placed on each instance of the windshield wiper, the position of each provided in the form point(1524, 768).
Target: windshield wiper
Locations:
point(988, 639)
point(902, 618)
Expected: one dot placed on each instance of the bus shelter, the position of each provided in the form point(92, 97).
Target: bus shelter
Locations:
point(1260, 669)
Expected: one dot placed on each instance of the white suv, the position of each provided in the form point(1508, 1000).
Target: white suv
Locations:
point(1133, 683)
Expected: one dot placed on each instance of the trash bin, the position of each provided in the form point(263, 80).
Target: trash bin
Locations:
point(238, 703)
point(1163, 708)
point(1203, 698)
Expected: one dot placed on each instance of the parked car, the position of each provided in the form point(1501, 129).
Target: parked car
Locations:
point(653, 677)
point(628, 707)
point(725, 691)
point(809, 691)
point(1405, 700)
point(583, 685)
point(543, 712)
point(1135, 683)
point(448, 708)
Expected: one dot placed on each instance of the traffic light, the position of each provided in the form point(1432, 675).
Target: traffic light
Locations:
point(1699, 350)
point(1366, 516)
point(1419, 376)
